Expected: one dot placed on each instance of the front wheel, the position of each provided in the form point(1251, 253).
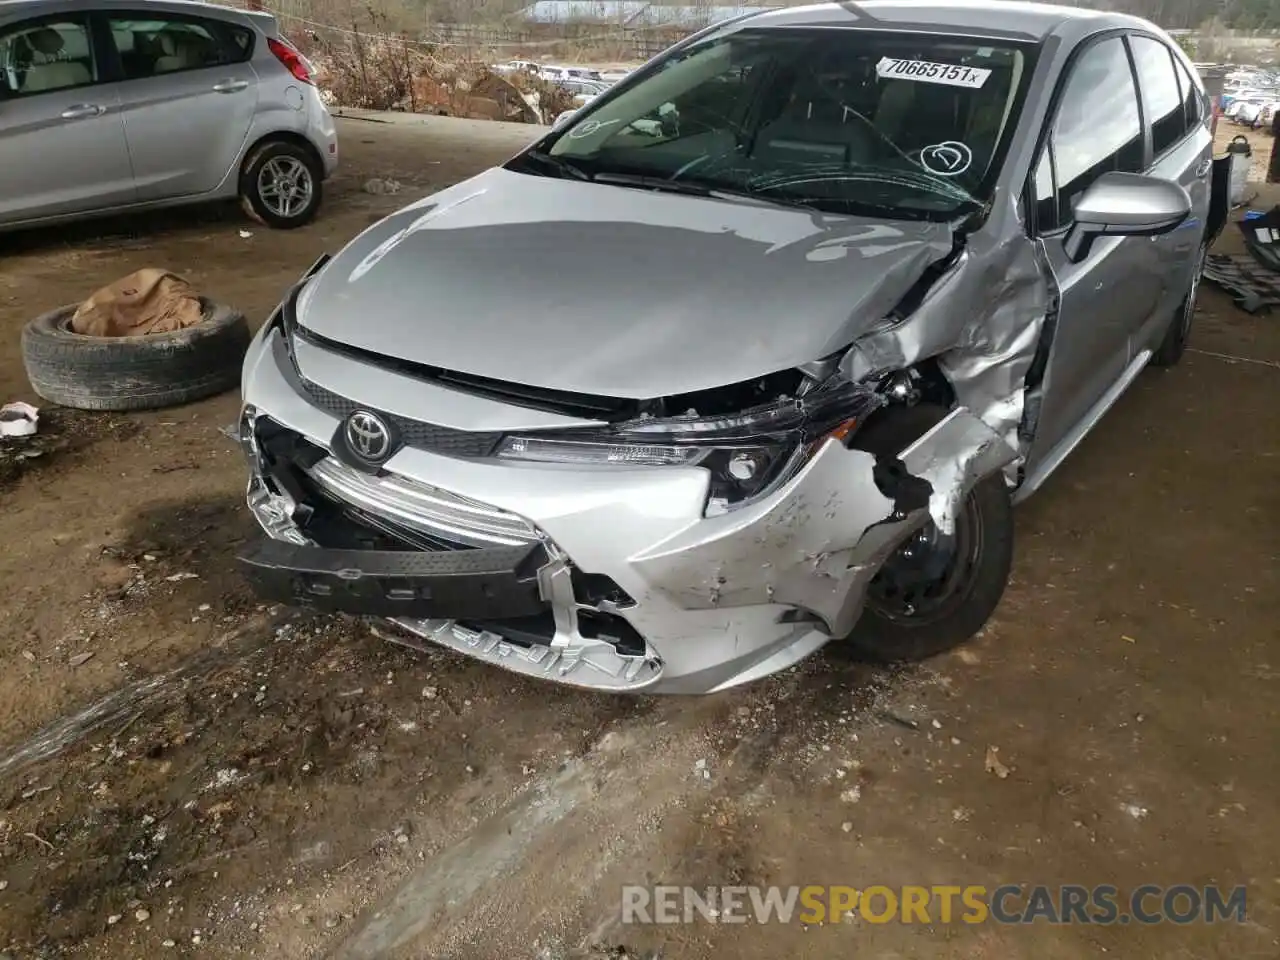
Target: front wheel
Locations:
point(936, 590)
point(280, 185)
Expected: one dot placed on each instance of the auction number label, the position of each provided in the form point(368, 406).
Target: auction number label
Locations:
point(951, 74)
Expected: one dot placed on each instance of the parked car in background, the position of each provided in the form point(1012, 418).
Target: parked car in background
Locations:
point(584, 91)
point(865, 277)
point(1243, 109)
point(550, 72)
point(108, 106)
point(517, 66)
point(1252, 108)
point(557, 73)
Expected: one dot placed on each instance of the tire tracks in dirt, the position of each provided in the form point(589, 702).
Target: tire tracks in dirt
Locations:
point(542, 876)
point(139, 696)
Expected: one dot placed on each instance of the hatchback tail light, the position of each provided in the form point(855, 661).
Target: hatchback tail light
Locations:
point(293, 61)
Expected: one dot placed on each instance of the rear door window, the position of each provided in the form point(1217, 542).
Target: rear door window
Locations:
point(153, 45)
point(1162, 101)
point(46, 55)
point(1192, 101)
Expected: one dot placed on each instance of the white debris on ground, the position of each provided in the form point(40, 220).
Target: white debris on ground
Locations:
point(1135, 810)
point(19, 419)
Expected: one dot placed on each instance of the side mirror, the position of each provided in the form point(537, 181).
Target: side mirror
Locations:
point(562, 119)
point(1125, 205)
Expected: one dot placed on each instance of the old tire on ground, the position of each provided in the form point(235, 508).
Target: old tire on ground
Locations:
point(280, 184)
point(134, 373)
point(1175, 340)
point(935, 592)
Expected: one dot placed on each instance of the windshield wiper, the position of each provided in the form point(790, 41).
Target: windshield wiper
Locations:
point(695, 188)
point(964, 202)
point(558, 164)
point(653, 183)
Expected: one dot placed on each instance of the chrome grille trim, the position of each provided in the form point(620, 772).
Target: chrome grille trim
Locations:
point(422, 507)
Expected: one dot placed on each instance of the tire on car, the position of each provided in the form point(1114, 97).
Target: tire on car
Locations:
point(280, 184)
point(134, 373)
point(1174, 344)
point(909, 614)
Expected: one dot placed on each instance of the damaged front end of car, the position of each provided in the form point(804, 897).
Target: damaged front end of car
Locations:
point(684, 545)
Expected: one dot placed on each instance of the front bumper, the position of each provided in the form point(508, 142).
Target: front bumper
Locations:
point(636, 590)
point(499, 583)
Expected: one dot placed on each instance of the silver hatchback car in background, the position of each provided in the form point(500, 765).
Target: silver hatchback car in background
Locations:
point(848, 281)
point(114, 105)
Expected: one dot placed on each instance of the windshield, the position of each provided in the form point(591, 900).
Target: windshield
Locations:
point(894, 124)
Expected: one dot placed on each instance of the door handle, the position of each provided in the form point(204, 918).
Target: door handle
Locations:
point(230, 86)
point(1205, 166)
point(82, 110)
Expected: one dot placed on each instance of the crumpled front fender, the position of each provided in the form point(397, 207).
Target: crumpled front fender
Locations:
point(817, 543)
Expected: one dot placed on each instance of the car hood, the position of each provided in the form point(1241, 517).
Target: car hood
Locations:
point(613, 291)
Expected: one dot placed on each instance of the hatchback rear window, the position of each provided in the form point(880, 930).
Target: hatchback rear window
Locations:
point(45, 55)
point(154, 45)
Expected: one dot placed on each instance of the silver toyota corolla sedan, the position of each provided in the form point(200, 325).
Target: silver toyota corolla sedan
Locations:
point(115, 105)
point(752, 354)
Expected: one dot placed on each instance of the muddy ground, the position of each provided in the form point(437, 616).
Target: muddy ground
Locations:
point(183, 772)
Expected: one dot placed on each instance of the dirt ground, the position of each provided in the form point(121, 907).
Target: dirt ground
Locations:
point(186, 773)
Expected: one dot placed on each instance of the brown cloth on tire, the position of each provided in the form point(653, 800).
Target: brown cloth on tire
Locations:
point(148, 301)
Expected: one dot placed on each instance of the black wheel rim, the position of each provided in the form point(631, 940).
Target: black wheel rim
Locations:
point(930, 575)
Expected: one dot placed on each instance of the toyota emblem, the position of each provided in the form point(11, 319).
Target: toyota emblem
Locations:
point(368, 436)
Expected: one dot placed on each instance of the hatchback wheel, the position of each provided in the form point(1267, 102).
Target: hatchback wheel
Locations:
point(280, 185)
point(936, 590)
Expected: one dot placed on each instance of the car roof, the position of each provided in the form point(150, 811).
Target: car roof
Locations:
point(995, 18)
point(194, 7)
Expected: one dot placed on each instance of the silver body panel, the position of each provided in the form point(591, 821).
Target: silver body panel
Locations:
point(672, 294)
point(636, 327)
point(165, 140)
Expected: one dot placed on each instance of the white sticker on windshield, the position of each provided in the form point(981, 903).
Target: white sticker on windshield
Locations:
point(951, 74)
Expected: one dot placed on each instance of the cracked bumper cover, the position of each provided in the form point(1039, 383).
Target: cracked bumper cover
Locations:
point(716, 601)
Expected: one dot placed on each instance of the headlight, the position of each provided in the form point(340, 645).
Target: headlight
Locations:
point(747, 454)
point(580, 451)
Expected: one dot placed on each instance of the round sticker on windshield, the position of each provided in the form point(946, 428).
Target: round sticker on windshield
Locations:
point(590, 127)
point(947, 159)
